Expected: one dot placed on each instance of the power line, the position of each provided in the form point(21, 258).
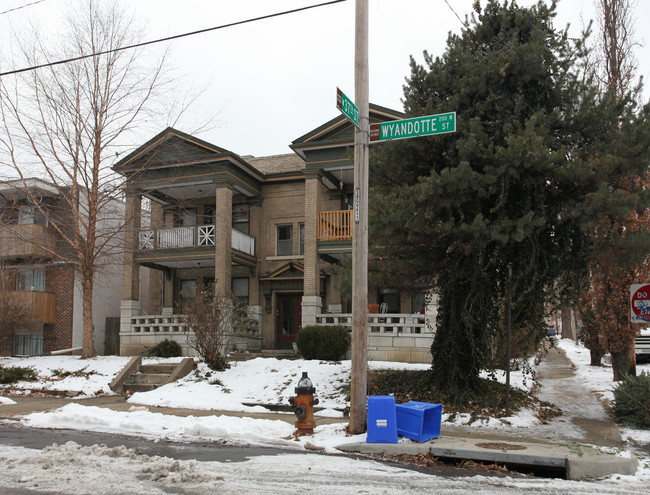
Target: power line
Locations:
point(21, 7)
point(452, 9)
point(169, 38)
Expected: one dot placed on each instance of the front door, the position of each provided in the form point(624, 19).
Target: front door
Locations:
point(289, 318)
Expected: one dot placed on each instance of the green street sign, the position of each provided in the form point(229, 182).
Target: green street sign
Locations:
point(345, 105)
point(417, 126)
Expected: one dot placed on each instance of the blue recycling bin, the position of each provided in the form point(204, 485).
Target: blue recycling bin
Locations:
point(382, 424)
point(419, 421)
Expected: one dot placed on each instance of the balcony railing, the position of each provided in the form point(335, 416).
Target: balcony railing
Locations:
point(335, 225)
point(40, 307)
point(26, 240)
point(186, 237)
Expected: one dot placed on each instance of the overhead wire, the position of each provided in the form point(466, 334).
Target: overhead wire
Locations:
point(456, 14)
point(21, 7)
point(169, 38)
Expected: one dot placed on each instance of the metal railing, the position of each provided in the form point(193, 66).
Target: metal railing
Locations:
point(185, 237)
point(335, 225)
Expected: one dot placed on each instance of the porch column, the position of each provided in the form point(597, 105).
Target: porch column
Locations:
point(130, 305)
point(223, 240)
point(311, 301)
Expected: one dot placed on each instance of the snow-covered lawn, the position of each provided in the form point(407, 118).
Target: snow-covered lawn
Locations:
point(245, 387)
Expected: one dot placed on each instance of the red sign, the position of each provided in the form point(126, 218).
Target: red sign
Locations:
point(640, 303)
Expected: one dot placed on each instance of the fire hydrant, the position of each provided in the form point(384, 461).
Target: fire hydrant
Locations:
point(304, 402)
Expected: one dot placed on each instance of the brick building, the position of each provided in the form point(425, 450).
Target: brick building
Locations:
point(47, 287)
point(266, 229)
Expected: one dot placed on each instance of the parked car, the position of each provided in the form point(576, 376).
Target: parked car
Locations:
point(642, 345)
point(551, 331)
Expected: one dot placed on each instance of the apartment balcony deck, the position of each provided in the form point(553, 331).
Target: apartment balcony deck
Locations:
point(40, 307)
point(196, 242)
point(334, 232)
point(28, 240)
point(189, 237)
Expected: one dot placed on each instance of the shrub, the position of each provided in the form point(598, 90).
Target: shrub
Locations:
point(15, 374)
point(323, 342)
point(214, 320)
point(632, 400)
point(166, 348)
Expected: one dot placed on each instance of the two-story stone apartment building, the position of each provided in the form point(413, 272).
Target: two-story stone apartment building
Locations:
point(268, 229)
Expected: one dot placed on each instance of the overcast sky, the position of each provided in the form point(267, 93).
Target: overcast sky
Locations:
point(270, 82)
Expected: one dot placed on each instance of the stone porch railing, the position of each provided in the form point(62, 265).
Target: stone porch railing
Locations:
point(391, 336)
point(148, 330)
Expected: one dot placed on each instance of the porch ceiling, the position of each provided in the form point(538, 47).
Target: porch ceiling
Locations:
point(179, 194)
point(180, 261)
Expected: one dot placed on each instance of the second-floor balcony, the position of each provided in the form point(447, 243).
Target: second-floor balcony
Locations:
point(39, 307)
point(334, 225)
point(27, 240)
point(188, 237)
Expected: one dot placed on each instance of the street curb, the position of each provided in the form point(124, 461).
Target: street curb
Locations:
point(575, 461)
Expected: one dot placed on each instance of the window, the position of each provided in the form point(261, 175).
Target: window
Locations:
point(302, 238)
point(28, 345)
point(285, 240)
point(32, 280)
point(187, 291)
point(185, 217)
point(240, 289)
point(241, 218)
point(209, 215)
point(28, 214)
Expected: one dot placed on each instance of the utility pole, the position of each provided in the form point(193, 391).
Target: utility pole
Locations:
point(359, 376)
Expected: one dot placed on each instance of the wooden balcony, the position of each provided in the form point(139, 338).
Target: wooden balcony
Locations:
point(40, 307)
point(29, 240)
point(334, 225)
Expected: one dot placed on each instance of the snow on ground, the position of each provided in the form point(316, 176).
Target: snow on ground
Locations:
point(244, 387)
point(88, 378)
point(73, 469)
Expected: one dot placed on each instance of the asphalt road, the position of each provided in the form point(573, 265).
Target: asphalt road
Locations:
point(22, 436)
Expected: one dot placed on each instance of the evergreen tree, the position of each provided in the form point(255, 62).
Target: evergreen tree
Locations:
point(516, 183)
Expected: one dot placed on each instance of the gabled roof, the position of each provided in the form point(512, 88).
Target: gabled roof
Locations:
point(339, 131)
point(289, 271)
point(174, 148)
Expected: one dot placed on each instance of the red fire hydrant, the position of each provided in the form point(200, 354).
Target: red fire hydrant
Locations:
point(304, 402)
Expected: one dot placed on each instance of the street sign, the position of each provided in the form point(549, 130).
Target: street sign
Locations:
point(418, 126)
point(345, 105)
point(640, 303)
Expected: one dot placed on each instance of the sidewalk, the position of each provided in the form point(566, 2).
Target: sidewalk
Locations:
point(567, 445)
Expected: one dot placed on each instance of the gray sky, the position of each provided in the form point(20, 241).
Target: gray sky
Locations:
point(272, 81)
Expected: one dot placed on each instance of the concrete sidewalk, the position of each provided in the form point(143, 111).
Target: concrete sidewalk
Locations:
point(570, 444)
point(567, 446)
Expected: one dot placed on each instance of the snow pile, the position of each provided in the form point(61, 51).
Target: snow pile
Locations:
point(83, 377)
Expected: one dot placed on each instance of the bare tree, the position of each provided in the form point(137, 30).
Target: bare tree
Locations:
point(68, 121)
point(12, 312)
point(615, 47)
point(605, 305)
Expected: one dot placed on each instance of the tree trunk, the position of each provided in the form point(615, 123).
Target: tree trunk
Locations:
point(88, 346)
point(567, 324)
point(596, 357)
point(623, 365)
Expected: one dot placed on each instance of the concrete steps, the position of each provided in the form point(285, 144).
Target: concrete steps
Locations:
point(136, 377)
